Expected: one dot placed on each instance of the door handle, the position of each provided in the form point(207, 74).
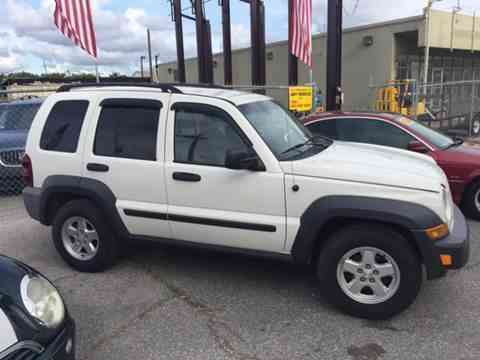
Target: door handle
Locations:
point(97, 167)
point(183, 176)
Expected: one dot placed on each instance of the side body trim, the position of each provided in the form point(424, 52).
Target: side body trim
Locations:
point(201, 221)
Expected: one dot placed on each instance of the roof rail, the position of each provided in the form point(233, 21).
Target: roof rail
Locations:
point(169, 88)
point(164, 87)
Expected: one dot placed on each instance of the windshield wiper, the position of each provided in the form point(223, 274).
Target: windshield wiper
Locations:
point(456, 142)
point(327, 142)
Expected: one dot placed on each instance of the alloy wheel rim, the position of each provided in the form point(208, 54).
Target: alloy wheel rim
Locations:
point(368, 275)
point(80, 238)
point(476, 199)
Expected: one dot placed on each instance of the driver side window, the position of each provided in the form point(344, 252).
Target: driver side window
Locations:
point(204, 135)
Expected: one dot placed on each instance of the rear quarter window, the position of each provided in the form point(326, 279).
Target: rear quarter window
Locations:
point(62, 128)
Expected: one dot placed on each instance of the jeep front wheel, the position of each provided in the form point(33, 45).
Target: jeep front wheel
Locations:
point(82, 237)
point(369, 271)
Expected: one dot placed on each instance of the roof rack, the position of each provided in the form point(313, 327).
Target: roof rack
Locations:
point(169, 88)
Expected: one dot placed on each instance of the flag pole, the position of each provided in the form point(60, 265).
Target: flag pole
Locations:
point(97, 74)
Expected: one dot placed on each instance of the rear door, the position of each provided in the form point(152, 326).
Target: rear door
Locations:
point(125, 151)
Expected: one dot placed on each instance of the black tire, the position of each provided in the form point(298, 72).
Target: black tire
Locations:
point(380, 237)
point(469, 207)
point(107, 246)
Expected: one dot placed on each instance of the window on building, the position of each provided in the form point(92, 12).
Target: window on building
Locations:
point(128, 130)
point(204, 135)
point(63, 126)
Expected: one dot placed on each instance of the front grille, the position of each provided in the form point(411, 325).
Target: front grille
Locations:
point(12, 157)
point(24, 350)
point(22, 354)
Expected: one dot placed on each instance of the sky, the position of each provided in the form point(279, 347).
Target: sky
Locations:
point(29, 40)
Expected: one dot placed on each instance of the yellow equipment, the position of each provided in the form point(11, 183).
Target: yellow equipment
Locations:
point(397, 97)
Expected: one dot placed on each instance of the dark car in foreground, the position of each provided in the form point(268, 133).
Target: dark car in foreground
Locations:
point(34, 323)
point(15, 120)
point(459, 160)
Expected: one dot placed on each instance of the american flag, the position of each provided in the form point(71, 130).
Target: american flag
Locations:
point(75, 21)
point(302, 30)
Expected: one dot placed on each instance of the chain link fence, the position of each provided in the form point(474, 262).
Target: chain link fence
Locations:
point(450, 107)
point(17, 110)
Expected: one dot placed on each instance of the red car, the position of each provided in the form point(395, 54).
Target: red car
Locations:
point(460, 160)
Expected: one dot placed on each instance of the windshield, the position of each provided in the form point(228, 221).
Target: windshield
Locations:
point(434, 137)
point(17, 117)
point(278, 128)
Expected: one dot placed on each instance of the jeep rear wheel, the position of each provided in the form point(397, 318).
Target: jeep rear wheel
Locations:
point(369, 271)
point(82, 237)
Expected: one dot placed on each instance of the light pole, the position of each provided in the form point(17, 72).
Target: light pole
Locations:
point(142, 58)
point(428, 14)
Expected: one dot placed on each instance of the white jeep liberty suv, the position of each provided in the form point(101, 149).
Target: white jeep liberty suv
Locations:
point(207, 166)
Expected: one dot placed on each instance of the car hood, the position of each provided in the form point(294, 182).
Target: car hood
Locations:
point(15, 323)
point(372, 164)
point(468, 152)
point(13, 139)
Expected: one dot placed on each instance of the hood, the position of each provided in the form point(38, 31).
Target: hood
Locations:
point(12, 139)
point(14, 319)
point(373, 164)
point(467, 153)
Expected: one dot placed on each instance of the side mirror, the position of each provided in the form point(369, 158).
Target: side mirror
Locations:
point(243, 160)
point(417, 146)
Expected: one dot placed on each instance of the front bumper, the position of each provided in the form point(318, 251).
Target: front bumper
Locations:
point(63, 347)
point(456, 245)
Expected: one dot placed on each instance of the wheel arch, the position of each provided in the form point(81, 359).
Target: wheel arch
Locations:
point(58, 190)
point(335, 224)
point(326, 215)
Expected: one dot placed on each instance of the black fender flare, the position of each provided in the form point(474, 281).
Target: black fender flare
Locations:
point(409, 216)
point(92, 189)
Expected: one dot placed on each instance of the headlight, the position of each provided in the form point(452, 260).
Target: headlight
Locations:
point(42, 301)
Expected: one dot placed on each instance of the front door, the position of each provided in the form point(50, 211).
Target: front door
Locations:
point(125, 151)
point(209, 203)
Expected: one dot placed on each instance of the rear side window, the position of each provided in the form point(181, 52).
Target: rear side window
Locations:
point(325, 128)
point(63, 126)
point(128, 129)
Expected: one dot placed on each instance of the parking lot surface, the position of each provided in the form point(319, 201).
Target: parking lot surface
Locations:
point(171, 303)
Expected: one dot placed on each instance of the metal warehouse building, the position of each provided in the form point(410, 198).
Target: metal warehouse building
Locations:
point(372, 55)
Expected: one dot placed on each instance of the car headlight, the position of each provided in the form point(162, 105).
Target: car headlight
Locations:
point(42, 300)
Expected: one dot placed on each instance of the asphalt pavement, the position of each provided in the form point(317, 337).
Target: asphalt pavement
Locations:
point(171, 303)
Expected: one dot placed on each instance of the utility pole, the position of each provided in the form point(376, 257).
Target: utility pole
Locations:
point(292, 59)
point(200, 29)
point(428, 15)
point(45, 67)
point(227, 42)
point(334, 55)
point(141, 65)
point(257, 24)
point(207, 50)
point(149, 45)
point(177, 17)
